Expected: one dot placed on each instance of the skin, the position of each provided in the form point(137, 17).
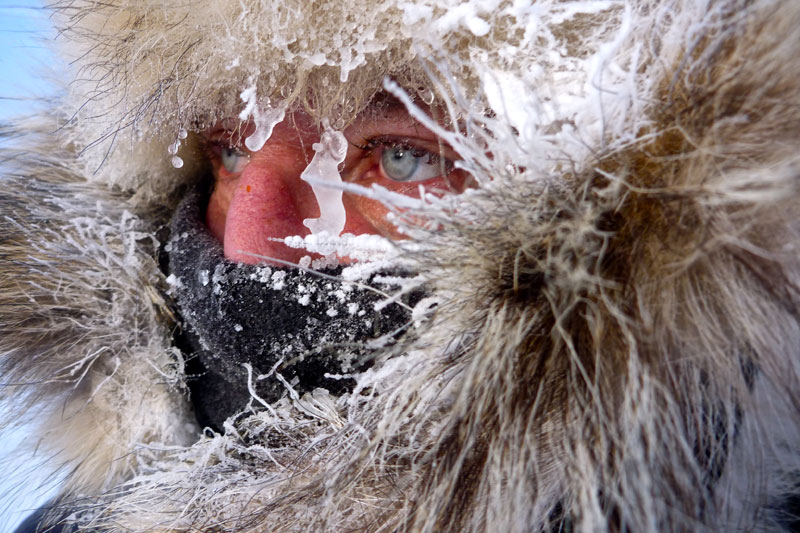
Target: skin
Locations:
point(265, 199)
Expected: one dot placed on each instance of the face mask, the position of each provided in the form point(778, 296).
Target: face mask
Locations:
point(294, 328)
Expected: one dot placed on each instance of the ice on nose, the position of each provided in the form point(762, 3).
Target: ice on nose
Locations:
point(323, 176)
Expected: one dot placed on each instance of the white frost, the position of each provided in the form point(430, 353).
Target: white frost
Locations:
point(323, 176)
point(356, 247)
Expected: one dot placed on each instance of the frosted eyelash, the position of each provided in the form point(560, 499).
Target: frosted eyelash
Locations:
point(390, 142)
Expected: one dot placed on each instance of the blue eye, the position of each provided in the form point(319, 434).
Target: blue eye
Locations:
point(234, 160)
point(402, 163)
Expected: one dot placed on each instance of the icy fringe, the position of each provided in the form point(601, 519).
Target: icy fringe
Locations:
point(614, 346)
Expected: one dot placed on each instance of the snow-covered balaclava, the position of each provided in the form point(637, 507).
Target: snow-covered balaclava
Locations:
point(256, 331)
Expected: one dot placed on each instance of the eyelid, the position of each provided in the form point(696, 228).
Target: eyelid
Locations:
point(230, 135)
point(221, 144)
point(419, 147)
point(397, 125)
point(218, 150)
point(215, 147)
point(371, 163)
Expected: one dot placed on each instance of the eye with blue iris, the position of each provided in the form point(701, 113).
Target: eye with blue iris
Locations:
point(233, 160)
point(404, 163)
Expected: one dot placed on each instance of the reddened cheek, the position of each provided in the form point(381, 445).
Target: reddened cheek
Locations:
point(219, 202)
point(216, 214)
point(365, 216)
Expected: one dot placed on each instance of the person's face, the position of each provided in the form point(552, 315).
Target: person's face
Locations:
point(259, 197)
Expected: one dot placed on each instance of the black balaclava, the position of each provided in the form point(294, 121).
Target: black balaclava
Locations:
point(312, 330)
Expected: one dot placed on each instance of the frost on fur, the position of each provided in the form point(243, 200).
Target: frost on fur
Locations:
point(80, 344)
point(610, 344)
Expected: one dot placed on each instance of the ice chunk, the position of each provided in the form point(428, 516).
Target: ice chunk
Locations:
point(265, 120)
point(172, 150)
point(233, 64)
point(414, 13)
point(265, 117)
point(278, 280)
point(477, 26)
point(323, 176)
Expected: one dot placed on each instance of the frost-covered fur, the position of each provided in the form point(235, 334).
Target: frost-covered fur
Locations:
point(614, 345)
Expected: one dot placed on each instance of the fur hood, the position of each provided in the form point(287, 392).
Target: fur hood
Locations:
point(611, 336)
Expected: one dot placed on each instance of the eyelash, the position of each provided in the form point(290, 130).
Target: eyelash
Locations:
point(391, 142)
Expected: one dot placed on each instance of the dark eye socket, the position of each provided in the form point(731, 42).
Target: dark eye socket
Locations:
point(232, 158)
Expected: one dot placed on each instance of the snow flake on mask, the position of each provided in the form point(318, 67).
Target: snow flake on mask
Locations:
point(175, 284)
point(278, 280)
point(262, 274)
point(339, 299)
point(219, 279)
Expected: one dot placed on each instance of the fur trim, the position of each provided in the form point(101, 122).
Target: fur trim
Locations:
point(613, 340)
point(85, 336)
